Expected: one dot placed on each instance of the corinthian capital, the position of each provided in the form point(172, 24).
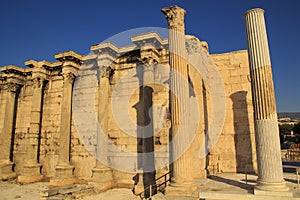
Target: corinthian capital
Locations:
point(69, 77)
point(148, 63)
point(175, 16)
point(106, 72)
point(11, 87)
point(37, 82)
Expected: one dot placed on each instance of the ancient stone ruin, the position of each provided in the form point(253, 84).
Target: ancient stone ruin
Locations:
point(72, 120)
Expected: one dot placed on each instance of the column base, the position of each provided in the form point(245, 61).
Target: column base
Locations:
point(182, 189)
point(139, 186)
point(102, 179)
point(6, 172)
point(30, 174)
point(101, 175)
point(272, 189)
point(63, 176)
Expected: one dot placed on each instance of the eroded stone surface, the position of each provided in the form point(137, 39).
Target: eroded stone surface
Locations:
point(66, 145)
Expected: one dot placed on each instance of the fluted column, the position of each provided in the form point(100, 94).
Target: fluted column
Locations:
point(63, 169)
point(102, 174)
point(270, 175)
point(31, 169)
point(6, 134)
point(179, 98)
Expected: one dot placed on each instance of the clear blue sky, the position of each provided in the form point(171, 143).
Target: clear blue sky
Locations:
point(35, 29)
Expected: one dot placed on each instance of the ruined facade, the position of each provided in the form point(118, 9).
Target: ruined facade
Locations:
point(48, 110)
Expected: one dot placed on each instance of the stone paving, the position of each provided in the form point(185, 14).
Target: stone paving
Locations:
point(220, 186)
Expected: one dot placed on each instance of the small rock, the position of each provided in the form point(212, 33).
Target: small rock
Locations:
point(17, 196)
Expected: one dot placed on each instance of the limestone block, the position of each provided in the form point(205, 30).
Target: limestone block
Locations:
point(83, 166)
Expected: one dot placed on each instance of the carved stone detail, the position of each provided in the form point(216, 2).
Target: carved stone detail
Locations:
point(106, 72)
point(69, 77)
point(11, 87)
point(148, 63)
point(175, 16)
point(37, 82)
point(192, 45)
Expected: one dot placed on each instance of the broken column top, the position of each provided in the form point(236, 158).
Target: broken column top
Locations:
point(254, 10)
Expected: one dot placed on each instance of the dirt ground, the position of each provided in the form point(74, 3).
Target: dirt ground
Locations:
point(12, 190)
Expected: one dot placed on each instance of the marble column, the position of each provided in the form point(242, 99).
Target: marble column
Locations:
point(102, 174)
point(31, 170)
point(179, 100)
point(270, 174)
point(64, 170)
point(6, 172)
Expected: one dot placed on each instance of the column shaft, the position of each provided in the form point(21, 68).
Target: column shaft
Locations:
point(65, 121)
point(35, 121)
point(179, 97)
point(64, 170)
point(102, 174)
point(8, 121)
point(148, 133)
point(7, 132)
point(103, 104)
point(270, 175)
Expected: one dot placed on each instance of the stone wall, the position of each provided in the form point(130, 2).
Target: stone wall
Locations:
point(234, 151)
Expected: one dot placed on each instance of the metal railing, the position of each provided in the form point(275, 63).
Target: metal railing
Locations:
point(153, 187)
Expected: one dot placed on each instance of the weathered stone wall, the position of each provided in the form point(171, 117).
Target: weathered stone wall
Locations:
point(234, 151)
point(83, 140)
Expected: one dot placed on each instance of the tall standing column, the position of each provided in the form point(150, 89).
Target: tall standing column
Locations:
point(148, 133)
point(31, 169)
point(270, 174)
point(148, 161)
point(102, 174)
point(6, 171)
point(63, 169)
point(179, 99)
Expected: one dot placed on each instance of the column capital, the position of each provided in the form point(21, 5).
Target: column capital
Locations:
point(70, 60)
point(106, 71)
point(148, 63)
point(68, 77)
point(175, 16)
point(37, 82)
point(11, 87)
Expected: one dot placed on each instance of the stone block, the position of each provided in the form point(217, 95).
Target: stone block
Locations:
point(6, 171)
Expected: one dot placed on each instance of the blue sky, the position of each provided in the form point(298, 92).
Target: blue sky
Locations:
point(35, 29)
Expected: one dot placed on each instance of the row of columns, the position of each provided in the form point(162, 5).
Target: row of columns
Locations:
point(30, 170)
point(270, 176)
